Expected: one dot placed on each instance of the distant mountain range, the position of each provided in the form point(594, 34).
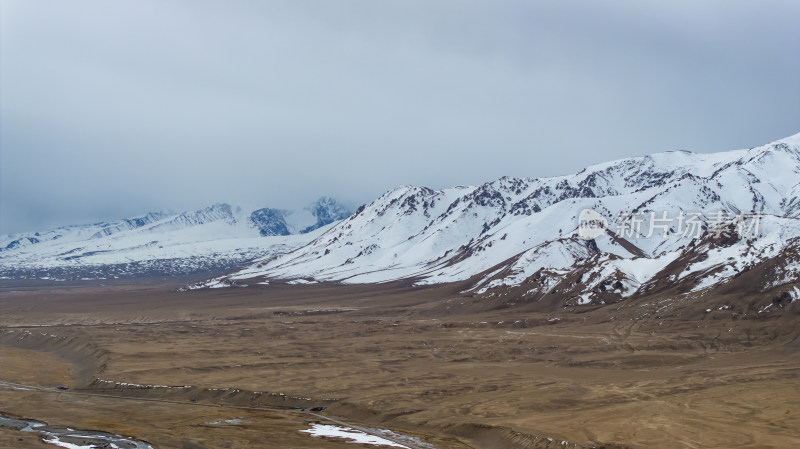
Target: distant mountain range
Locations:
point(674, 222)
point(214, 239)
point(677, 223)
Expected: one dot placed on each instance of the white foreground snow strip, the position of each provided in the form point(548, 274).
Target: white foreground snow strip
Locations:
point(325, 430)
point(57, 442)
point(234, 421)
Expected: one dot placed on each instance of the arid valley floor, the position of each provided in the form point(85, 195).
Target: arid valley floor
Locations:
point(430, 363)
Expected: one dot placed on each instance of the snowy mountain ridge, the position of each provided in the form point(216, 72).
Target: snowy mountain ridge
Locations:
point(523, 234)
point(215, 238)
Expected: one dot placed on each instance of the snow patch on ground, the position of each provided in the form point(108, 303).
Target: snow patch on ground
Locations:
point(233, 421)
point(57, 442)
point(355, 436)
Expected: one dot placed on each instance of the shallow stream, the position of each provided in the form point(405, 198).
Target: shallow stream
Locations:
point(71, 438)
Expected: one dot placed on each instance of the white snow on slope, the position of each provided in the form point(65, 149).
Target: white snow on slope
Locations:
point(218, 234)
point(523, 226)
point(355, 436)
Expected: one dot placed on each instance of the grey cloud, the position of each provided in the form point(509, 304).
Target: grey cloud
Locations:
point(111, 109)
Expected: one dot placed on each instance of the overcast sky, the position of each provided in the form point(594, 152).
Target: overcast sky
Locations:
point(110, 109)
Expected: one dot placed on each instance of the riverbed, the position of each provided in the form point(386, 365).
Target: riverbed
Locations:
point(72, 438)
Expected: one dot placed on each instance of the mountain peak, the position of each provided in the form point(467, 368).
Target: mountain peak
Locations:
point(322, 212)
point(511, 232)
point(327, 210)
point(219, 236)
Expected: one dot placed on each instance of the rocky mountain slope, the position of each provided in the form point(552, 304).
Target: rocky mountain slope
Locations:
point(210, 240)
point(674, 220)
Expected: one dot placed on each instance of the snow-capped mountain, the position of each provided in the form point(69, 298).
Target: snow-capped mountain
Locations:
point(694, 220)
point(212, 240)
point(286, 222)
